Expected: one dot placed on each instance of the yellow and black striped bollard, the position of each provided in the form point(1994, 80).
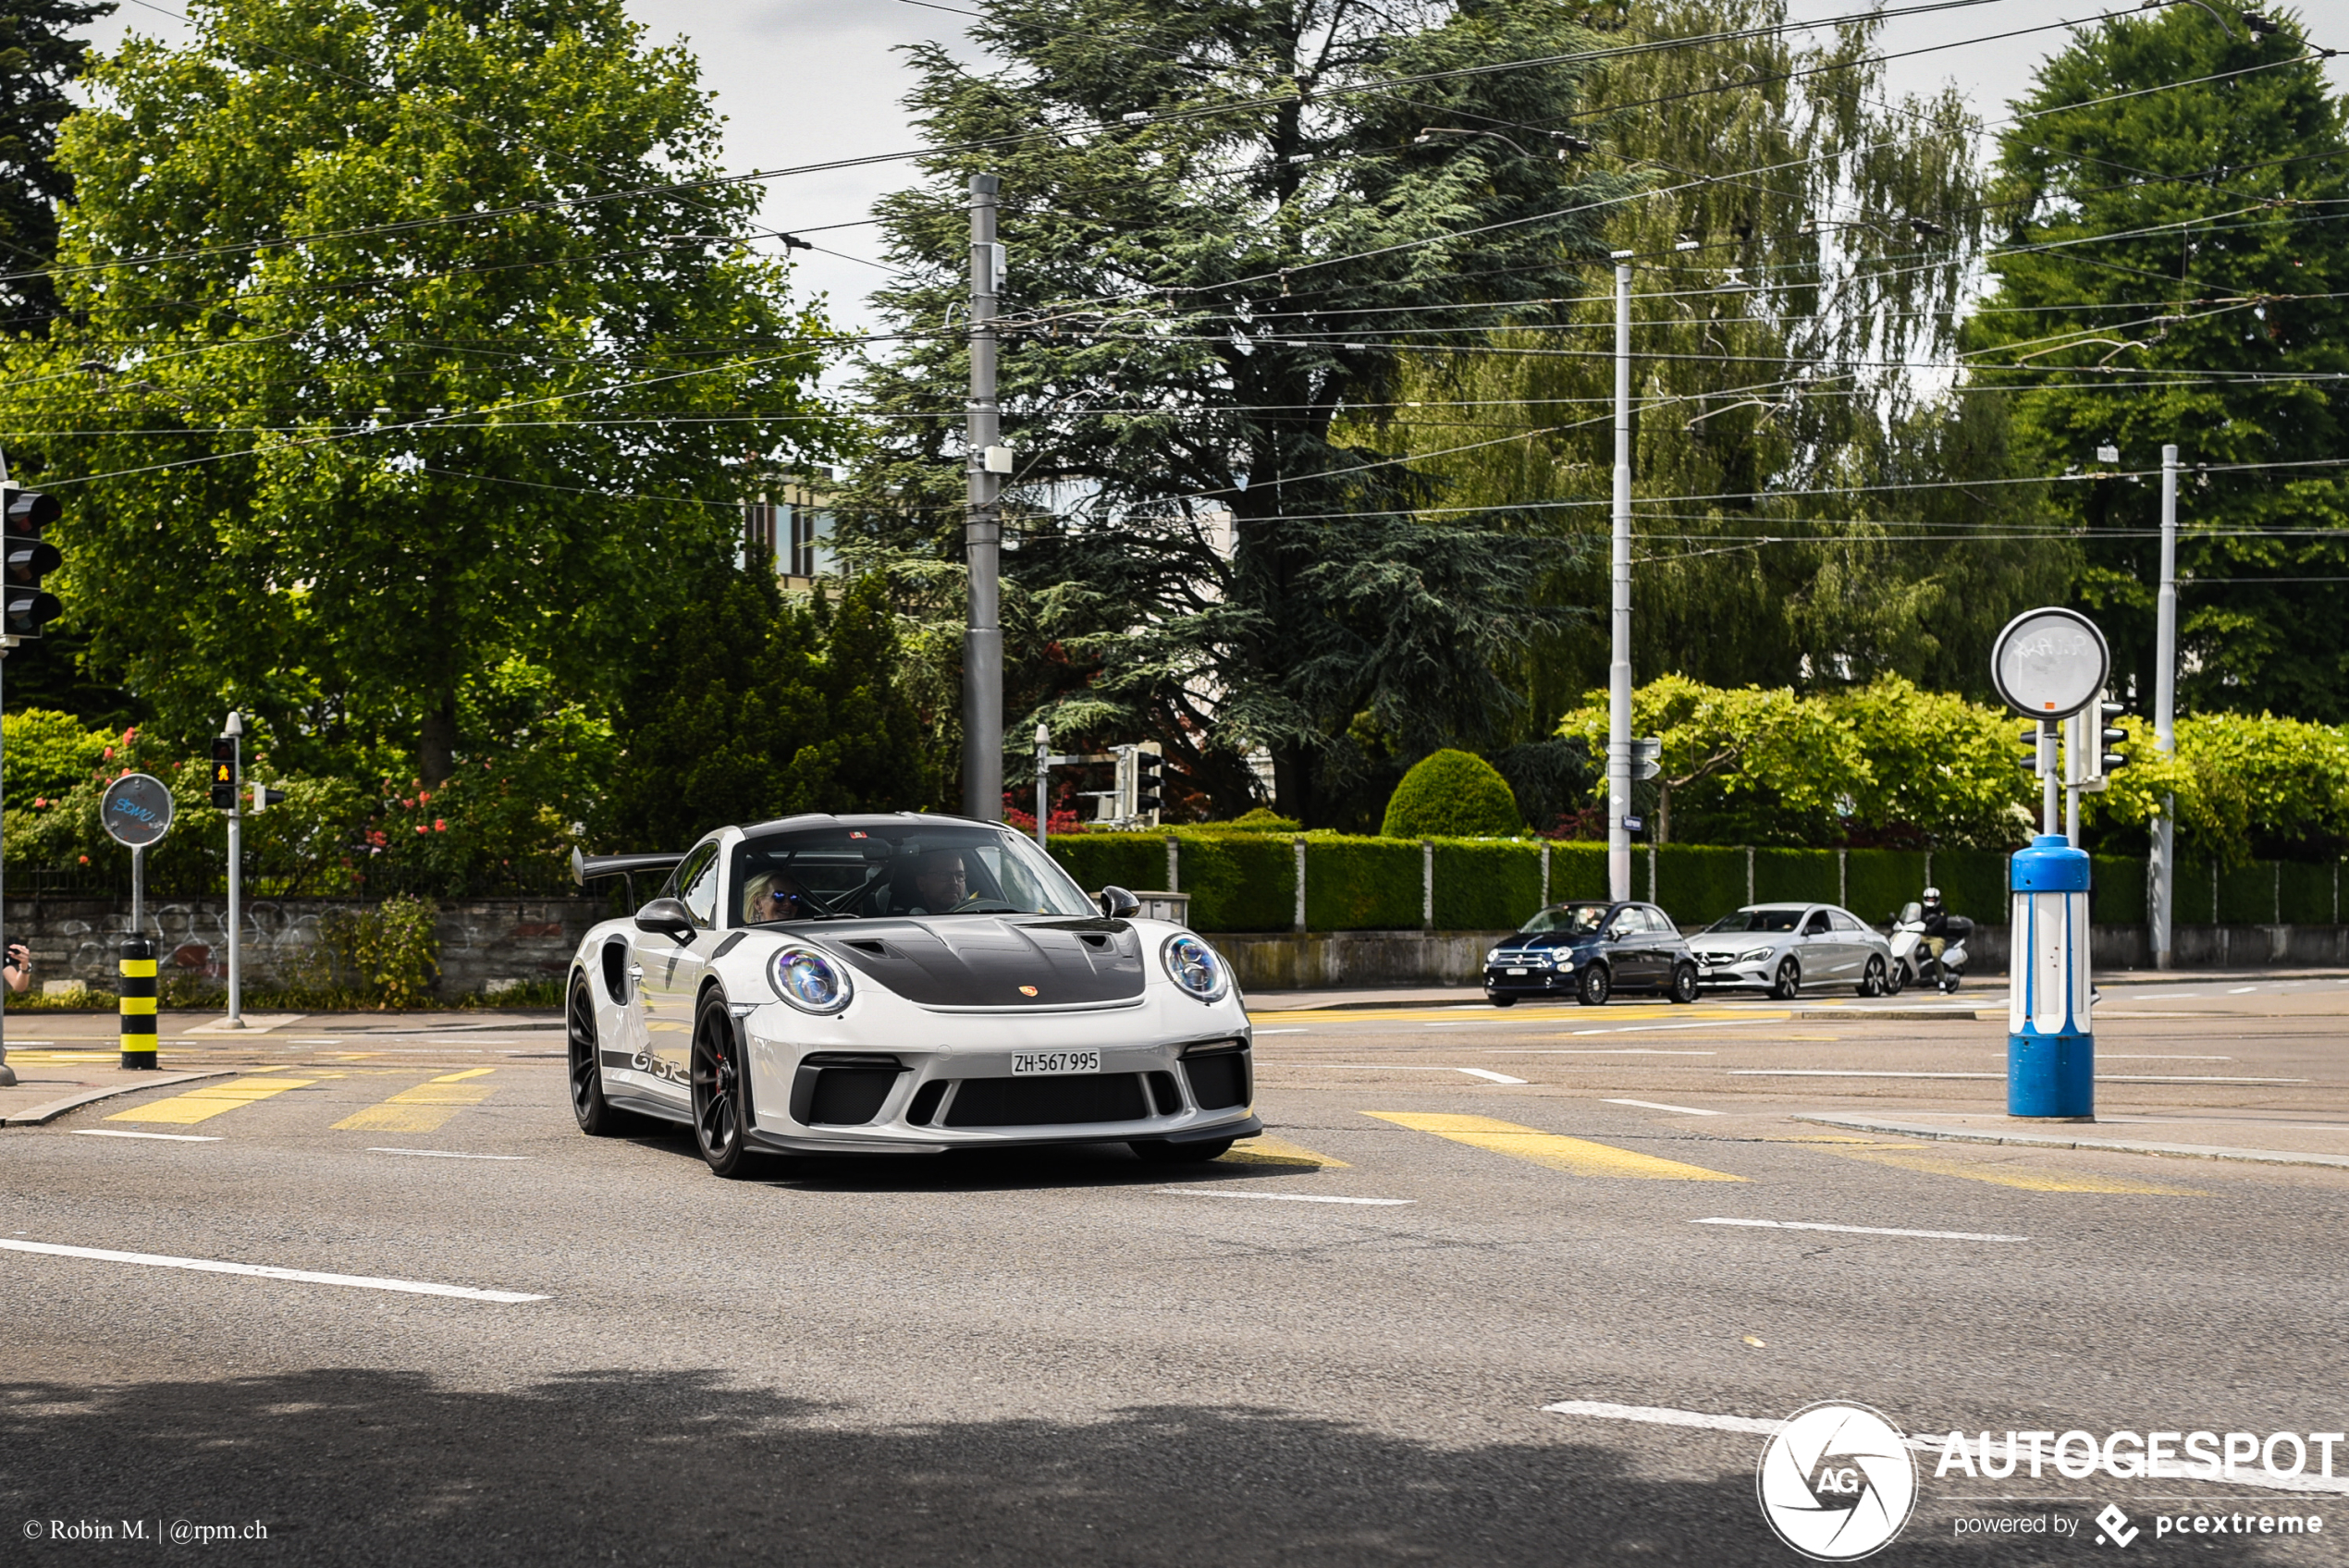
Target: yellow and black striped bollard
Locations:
point(137, 1003)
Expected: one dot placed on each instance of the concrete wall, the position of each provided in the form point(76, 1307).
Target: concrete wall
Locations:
point(1287, 961)
point(483, 941)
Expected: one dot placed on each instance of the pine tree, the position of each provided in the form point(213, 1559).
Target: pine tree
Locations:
point(2175, 271)
point(1224, 222)
point(39, 55)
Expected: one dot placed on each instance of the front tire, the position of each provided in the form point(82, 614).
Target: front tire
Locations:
point(722, 1090)
point(1896, 978)
point(1158, 1151)
point(1500, 1001)
point(596, 1115)
point(1683, 989)
point(1874, 982)
point(1593, 985)
point(1790, 982)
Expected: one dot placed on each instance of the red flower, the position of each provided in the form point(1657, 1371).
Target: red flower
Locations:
point(110, 753)
point(438, 826)
point(38, 802)
point(423, 795)
point(422, 828)
point(85, 859)
point(407, 805)
point(130, 734)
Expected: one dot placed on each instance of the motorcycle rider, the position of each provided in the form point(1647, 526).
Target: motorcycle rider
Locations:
point(1935, 937)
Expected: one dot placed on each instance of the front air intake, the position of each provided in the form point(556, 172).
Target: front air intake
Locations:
point(1048, 1102)
point(1218, 1074)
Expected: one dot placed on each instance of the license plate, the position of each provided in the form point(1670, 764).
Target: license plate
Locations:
point(1025, 1063)
point(1517, 971)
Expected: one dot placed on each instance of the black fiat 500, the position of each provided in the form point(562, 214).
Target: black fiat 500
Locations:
point(1589, 951)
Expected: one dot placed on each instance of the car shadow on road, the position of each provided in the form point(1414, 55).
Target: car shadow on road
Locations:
point(365, 1467)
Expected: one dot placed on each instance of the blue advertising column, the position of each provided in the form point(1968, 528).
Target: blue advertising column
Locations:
point(2052, 1043)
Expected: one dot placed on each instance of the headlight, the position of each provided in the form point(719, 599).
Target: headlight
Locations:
point(1754, 955)
point(1196, 967)
point(1493, 957)
point(809, 980)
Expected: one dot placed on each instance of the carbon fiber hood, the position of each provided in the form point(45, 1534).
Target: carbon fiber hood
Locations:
point(1004, 961)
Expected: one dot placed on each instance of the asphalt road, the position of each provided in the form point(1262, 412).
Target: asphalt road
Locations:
point(1066, 1357)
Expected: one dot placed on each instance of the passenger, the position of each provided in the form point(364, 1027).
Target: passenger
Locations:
point(18, 971)
point(775, 895)
point(940, 883)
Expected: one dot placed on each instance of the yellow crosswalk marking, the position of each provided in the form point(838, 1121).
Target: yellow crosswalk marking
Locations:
point(2029, 1179)
point(1265, 1149)
point(202, 1104)
point(1576, 1157)
point(423, 1109)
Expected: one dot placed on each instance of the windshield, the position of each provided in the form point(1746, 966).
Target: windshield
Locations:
point(1583, 920)
point(1759, 920)
point(844, 873)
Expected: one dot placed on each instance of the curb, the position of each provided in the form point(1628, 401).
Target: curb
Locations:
point(1896, 1014)
point(2051, 1141)
point(41, 1115)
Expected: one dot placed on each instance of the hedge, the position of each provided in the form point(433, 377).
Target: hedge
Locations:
point(1247, 881)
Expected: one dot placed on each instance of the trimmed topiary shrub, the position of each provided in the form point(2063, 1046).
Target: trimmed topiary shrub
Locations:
point(1452, 795)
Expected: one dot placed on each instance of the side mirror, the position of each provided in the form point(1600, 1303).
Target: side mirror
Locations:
point(666, 915)
point(1118, 904)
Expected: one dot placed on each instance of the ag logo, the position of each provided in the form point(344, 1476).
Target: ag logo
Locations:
point(1837, 1482)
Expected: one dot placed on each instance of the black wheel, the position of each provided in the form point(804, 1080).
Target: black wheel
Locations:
point(722, 1090)
point(1895, 978)
point(1590, 990)
point(1873, 981)
point(1501, 1001)
point(1684, 984)
point(1950, 980)
point(1788, 981)
point(1158, 1151)
point(596, 1116)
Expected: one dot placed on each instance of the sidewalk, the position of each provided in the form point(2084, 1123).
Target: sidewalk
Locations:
point(2270, 1139)
point(46, 1089)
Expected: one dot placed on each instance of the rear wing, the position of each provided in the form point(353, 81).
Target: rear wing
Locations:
point(583, 866)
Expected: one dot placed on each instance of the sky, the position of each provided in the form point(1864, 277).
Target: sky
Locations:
point(804, 81)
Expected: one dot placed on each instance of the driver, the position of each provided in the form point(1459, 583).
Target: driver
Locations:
point(940, 882)
point(1934, 936)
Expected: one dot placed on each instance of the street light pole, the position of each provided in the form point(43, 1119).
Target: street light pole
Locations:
point(1618, 674)
point(235, 729)
point(2162, 870)
point(982, 531)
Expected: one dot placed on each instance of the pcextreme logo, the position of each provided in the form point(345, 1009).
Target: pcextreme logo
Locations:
point(1837, 1481)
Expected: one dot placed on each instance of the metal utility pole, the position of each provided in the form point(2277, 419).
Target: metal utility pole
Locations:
point(1043, 782)
point(983, 528)
point(2162, 871)
point(7, 1074)
point(235, 729)
point(1618, 674)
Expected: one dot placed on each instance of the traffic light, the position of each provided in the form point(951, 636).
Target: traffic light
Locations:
point(2109, 737)
point(1149, 782)
point(31, 558)
point(2088, 740)
point(265, 797)
point(2030, 758)
point(224, 773)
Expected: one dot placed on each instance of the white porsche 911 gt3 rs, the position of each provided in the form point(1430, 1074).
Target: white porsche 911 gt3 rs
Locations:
point(900, 983)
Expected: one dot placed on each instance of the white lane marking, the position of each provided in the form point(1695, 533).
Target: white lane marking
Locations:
point(1862, 1230)
point(1466, 1023)
point(1298, 1031)
point(1282, 1197)
point(300, 1276)
point(1653, 1105)
point(449, 1154)
point(1662, 1028)
point(166, 1137)
point(1658, 1416)
point(1486, 1073)
point(2101, 1077)
point(1598, 1050)
point(2241, 990)
point(2116, 1056)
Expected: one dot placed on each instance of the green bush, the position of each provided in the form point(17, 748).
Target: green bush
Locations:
point(1240, 881)
point(2247, 894)
point(1974, 883)
point(1696, 884)
point(1451, 795)
point(1126, 860)
point(1481, 885)
point(1263, 821)
point(1878, 882)
point(1578, 870)
point(2308, 892)
point(2119, 889)
point(1354, 884)
point(2194, 903)
point(1795, 876)
point(390, 952)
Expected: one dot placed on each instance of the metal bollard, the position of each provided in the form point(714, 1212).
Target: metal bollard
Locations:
point(137, 1003)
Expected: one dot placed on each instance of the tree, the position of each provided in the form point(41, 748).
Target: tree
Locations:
point(38, 55)
point(402, 342)
point(1223, 221)
point(751, 709)
point(1451, 793)
point(1804, 238)
point(2175, 268)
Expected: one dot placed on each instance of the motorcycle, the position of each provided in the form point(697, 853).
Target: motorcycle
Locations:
point(1910, 961)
